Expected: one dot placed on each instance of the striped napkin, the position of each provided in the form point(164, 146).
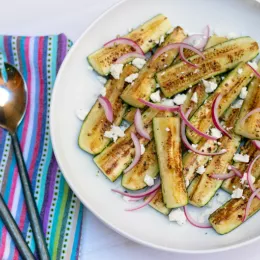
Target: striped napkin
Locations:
point(38, 59)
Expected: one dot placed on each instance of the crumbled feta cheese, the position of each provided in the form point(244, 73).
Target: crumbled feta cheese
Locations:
point(187, 183)
point(142, 149)
point(90, 68)
point(240, 71)
point(177, 215)
point(252, 178)
point(114, 133)
point(116, 70)
point(243, 180)
point(81, 113)
point(149, 180)
point(238, 103)
point(209, 86)
point(194, 97)
point(157, 86)
point(155, 97)
point(167, 129)
point(157, 41)
point(103, 91)
point(215, 132)
point(194, 145)
point(243, 93)
point(102, 80)
point(162, 73)
point(241, 158)
point(167, 102)
point(222, 78)
point(237, 193)
point(131, 77)
point(179, 99)
point(253, 64)
point(161, 40)
point(170, 31)
point(196, 71)
point(232, 35)
point(165, 55)
point(138, 62)
point(201, 170)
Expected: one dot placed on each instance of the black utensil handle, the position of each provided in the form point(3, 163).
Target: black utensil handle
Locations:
point(14, 231)
point(32, 210)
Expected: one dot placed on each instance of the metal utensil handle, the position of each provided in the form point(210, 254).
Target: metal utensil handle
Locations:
point(33, 213)
point(14, 231)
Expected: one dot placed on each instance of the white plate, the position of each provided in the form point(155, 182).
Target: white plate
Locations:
point(77, 87)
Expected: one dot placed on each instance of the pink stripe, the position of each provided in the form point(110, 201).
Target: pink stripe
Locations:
point(2, 249)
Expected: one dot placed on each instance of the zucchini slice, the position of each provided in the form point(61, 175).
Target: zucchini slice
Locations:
point(251, 127)
point(147, 165)
point(230, 215)
point(158, 204)
point(145, 84)
point(207, 186)
point(230, 88)
point(91, 137)
point(117, 156)
point(218, 59)
point(145, 36)
point(129, 115)
point(168, 147)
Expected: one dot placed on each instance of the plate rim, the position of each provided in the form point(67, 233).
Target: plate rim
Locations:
point(74, 189)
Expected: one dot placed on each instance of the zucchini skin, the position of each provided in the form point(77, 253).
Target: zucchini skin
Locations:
point(251, 127)
point(145, 36)
point(230, 89)
point(129, 115)
point(230, 215)
point(168, 147)
point(218, 59)
point(147, 165)
point(145, 84)
point(91, 138)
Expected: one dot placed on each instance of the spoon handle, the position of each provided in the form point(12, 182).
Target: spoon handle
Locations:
point(33, 213)
point(14, 231)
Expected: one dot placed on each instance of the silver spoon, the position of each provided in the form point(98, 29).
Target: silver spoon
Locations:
point(13, 100)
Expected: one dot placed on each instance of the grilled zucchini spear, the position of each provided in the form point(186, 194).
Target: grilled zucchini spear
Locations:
point(168, 147)
point(218, 59)
point(91, 137)
point(145, 36)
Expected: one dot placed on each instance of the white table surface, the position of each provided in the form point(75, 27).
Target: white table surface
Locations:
point(30, 17)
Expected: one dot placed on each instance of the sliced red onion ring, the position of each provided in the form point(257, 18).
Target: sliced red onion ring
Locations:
point(176, 46)
point(253, 195)
point(159, 107)
point(189, 146)
point(256, 110)
point(149, 199)
point(249, 179)
point(187, 122)
point(139, 195)
point(193, 222)
point(105, 103)
point(256, 143)
point(130, 55)
point(139, 126)
point(126, 41)
point(215, 116)
point(222, 176)
point(137, 153)
point(255, 71)
point(235, 170)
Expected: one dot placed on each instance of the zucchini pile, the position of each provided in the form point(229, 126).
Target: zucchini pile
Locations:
point(170, 81)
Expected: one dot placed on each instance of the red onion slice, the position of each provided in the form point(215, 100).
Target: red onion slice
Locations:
point(193, 222)
point(222, 176)
point(186, 120)
point(139, 126)
point(126, 41)
point(189, 146)
point(256, 143)
point(105, 103)
point(123, 58)
point(255, 71)
point(215, 116)
point(249, 179)
point(253, 195)
point(159, 107)
point(235, 170)
point(149, 199)
point(177, 46)
point(139, 195)
point(256, 110)
point(137, 153)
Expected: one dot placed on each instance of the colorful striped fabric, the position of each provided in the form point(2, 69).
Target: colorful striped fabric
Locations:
point(38, 59)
